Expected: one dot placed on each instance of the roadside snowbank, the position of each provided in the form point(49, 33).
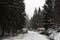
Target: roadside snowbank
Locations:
point(57, 36)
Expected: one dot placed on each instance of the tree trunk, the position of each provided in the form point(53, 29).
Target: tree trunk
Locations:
point(2, 32)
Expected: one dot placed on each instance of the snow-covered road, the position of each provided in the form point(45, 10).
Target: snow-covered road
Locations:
point(29, 36)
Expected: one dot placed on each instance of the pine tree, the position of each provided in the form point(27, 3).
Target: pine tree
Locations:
point(48, 14)
point(33, 20)
point(19, 14)
point(12, 15)
point(37, 19)
point(39, 11)
point(3, 15)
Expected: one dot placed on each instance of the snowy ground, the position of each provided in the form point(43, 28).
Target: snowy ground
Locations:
point(29, 36)
point(57, 36)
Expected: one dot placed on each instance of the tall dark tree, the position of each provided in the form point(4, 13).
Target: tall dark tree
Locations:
point(33, 20)
point(37, 19)
point(39, 11)
point(3, 14)
point(12, 15)
point(48, 14)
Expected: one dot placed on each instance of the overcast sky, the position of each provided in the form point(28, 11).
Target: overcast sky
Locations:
point(30, 6)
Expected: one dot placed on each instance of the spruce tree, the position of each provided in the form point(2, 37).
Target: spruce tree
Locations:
point(4, 12)
point(48, 14)
point(12, 15)
point(33, 20)
point(37, 19)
